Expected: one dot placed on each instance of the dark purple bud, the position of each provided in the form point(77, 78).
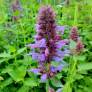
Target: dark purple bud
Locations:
point(74, 34)
point(79, 46)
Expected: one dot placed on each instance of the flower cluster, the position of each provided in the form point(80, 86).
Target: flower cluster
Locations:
point(75, 37)
point(48, 46)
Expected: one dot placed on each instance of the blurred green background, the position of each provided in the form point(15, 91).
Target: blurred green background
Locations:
point(16, 33)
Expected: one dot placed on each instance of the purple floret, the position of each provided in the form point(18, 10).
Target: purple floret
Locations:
point(43, 78)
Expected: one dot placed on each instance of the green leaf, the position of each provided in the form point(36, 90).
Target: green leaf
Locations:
point(67, 88)
point(81, 58)
point(31, 82)
point(2, 60)
point(24, 89)
point(79, 76)
point(72, 44)
point(59, 75)
point(56, 83)
point(16, 72)
point(1, 78)
point(6, 83)
point(21, 50)
point(5, 55)
point(85, 66)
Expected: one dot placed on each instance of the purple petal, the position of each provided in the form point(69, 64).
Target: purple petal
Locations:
point(43, 77)
point(37, 26)
point(37, 56)
point(59, 90)
point(60, 53)
point(46, 52)
point(37, 37)
point(66, 52)
point(52, 69)
point(34, 55)
point(60, 29)
point(41, 57)
point(42, 43)
point(32, 45)
point(61, 43)
point(39, 44)
point(57, 59)
point(36, 71)
point(59, 68)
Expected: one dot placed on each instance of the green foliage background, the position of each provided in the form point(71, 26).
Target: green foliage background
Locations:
point(14, 35)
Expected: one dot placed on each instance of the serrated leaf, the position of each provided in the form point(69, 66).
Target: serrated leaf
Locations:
point(81, 58)
point(5, 55)
point(24, 89)
point(79, 76)
point(59, 75)
point(21, 50)
point(85, 66)
point(31, 82)
point(18, 73)
point(6, 82)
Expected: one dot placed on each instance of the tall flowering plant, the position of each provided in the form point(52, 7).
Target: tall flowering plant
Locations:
point(76, 47)
point(48, 46)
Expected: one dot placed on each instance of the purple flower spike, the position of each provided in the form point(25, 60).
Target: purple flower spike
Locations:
point(74, 34)
point(43, 77)
point(48, 44)
point(60, 29)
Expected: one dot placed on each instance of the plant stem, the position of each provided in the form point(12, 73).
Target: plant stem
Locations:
point(75, 14)
point(47, 85)
point(71, 75)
